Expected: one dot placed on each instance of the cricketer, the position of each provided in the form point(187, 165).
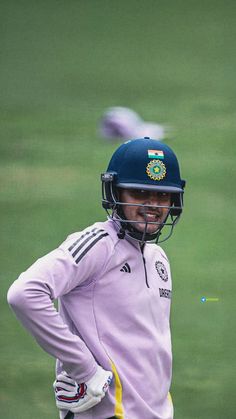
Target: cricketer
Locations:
point(111, 333)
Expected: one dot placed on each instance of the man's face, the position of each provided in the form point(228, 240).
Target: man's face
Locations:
point(145, 214)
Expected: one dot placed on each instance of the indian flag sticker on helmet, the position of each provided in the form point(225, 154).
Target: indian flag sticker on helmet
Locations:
point(155, 154)
point(156, 170)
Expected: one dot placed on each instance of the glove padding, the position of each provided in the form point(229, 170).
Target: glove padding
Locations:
point(80, 397)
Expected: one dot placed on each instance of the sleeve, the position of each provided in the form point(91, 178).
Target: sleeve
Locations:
point(31, 298)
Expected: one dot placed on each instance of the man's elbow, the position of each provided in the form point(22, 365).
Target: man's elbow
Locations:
point(16, 296)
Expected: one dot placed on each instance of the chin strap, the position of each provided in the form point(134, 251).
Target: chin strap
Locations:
point(121, 233)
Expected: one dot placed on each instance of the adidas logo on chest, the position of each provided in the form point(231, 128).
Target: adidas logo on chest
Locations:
point(126, 268)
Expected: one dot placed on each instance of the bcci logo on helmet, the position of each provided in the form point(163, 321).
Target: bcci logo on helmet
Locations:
point(156, 170)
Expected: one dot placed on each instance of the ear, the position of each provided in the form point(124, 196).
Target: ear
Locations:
point(177, 200)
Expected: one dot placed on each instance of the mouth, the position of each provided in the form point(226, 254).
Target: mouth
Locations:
point(150, 216)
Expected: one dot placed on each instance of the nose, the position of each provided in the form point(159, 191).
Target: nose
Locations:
point(153, 198)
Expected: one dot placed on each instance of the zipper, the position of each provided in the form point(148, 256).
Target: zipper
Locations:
point(144, 264)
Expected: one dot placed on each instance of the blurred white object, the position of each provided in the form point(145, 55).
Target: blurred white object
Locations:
point(152, 130)
point(119, 122)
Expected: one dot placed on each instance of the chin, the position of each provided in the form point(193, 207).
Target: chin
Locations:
point(150, 229)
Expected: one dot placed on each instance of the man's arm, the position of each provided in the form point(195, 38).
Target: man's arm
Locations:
point(31, 297)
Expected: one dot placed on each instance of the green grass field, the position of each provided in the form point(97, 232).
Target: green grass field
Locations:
point(62, 64)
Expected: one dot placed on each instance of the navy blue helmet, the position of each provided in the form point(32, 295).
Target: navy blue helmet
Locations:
point(143, 164)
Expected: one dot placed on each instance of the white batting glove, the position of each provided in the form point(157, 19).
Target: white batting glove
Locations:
point(80, 397)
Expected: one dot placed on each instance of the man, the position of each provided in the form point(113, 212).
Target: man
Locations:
point(111, 336)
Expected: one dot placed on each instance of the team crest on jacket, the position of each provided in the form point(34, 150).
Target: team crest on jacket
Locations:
point(161, 270)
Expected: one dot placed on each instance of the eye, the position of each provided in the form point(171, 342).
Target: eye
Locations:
point(138, 193)
point(164, 195)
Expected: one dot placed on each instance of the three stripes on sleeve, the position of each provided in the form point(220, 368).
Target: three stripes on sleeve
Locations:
point(85, 242)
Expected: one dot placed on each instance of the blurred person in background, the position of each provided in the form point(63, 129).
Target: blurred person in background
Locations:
point(121, 123)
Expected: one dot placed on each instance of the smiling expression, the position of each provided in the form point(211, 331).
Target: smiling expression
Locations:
point(155, 210)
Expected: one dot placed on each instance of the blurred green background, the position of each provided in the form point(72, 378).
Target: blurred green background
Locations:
point(62, 64)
